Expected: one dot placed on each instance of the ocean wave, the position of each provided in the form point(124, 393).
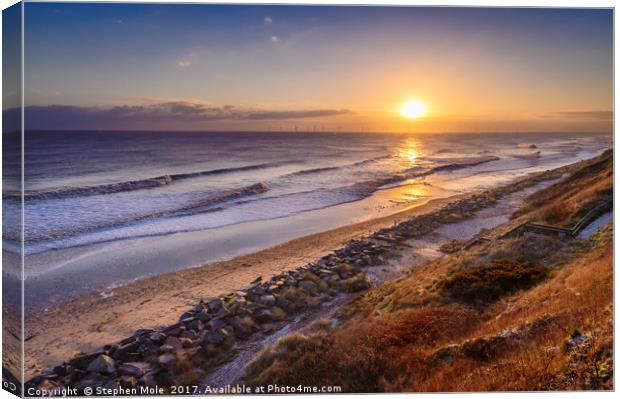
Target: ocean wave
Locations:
point(312, 171)
point(533, 155)
point(444, 151)
point(205, 204)
point(132, 185)
point(464, 163)
point(373, 185)
point(221, 200)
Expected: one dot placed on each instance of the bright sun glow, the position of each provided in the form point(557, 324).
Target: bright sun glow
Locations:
point(413, 109)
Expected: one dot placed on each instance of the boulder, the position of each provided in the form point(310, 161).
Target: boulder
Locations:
point(110, 347)
point(82, 362)
point(146, 345)
point(189, 334)
point(222, 313)
point(267, 300)
point(126, 341)
point(103, 364)
point(194, 325)
point(166, 360)
point(258, 290)
point(157, 338)
point(214, 305)
point(174, 330)
point(135, 369)
point(203, 316)
point(166, 348)
point(174, 342)
point(186, 316)
point(216, 324)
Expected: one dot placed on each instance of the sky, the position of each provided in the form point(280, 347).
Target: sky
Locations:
point(224, 67)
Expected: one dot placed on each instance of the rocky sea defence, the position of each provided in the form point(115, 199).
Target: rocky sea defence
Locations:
point(208, 334)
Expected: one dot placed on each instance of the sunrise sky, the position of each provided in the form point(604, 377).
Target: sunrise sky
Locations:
point(200, 67)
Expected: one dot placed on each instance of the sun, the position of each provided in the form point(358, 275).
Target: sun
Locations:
point(413, 109)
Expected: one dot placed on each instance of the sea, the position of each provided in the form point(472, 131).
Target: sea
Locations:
point(86, 190)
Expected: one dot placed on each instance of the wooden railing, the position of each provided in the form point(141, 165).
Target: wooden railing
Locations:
point(548, 229)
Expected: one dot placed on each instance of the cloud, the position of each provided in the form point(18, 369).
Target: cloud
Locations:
point(598, 115)
point(268, 20)
point(151, 116)
point(275, 39)
point(187, 60)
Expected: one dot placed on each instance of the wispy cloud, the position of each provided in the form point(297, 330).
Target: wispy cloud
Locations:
point(188, 59)
point(268, 20)
point(125, 116)
point(275, 39)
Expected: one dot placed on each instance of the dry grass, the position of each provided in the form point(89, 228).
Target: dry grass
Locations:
point(577, 298)
point(360, 356)
point(560, 204)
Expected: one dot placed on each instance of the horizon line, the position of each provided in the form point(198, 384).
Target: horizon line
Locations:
point(299, 131)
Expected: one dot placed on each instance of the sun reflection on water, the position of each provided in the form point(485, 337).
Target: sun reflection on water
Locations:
point(413, 191)
point(410, 151)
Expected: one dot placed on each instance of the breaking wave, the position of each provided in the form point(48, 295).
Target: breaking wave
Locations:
point(372, 185)
point(205, 204)
point(132, 185)
point(335, 168)
point(218, 201)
